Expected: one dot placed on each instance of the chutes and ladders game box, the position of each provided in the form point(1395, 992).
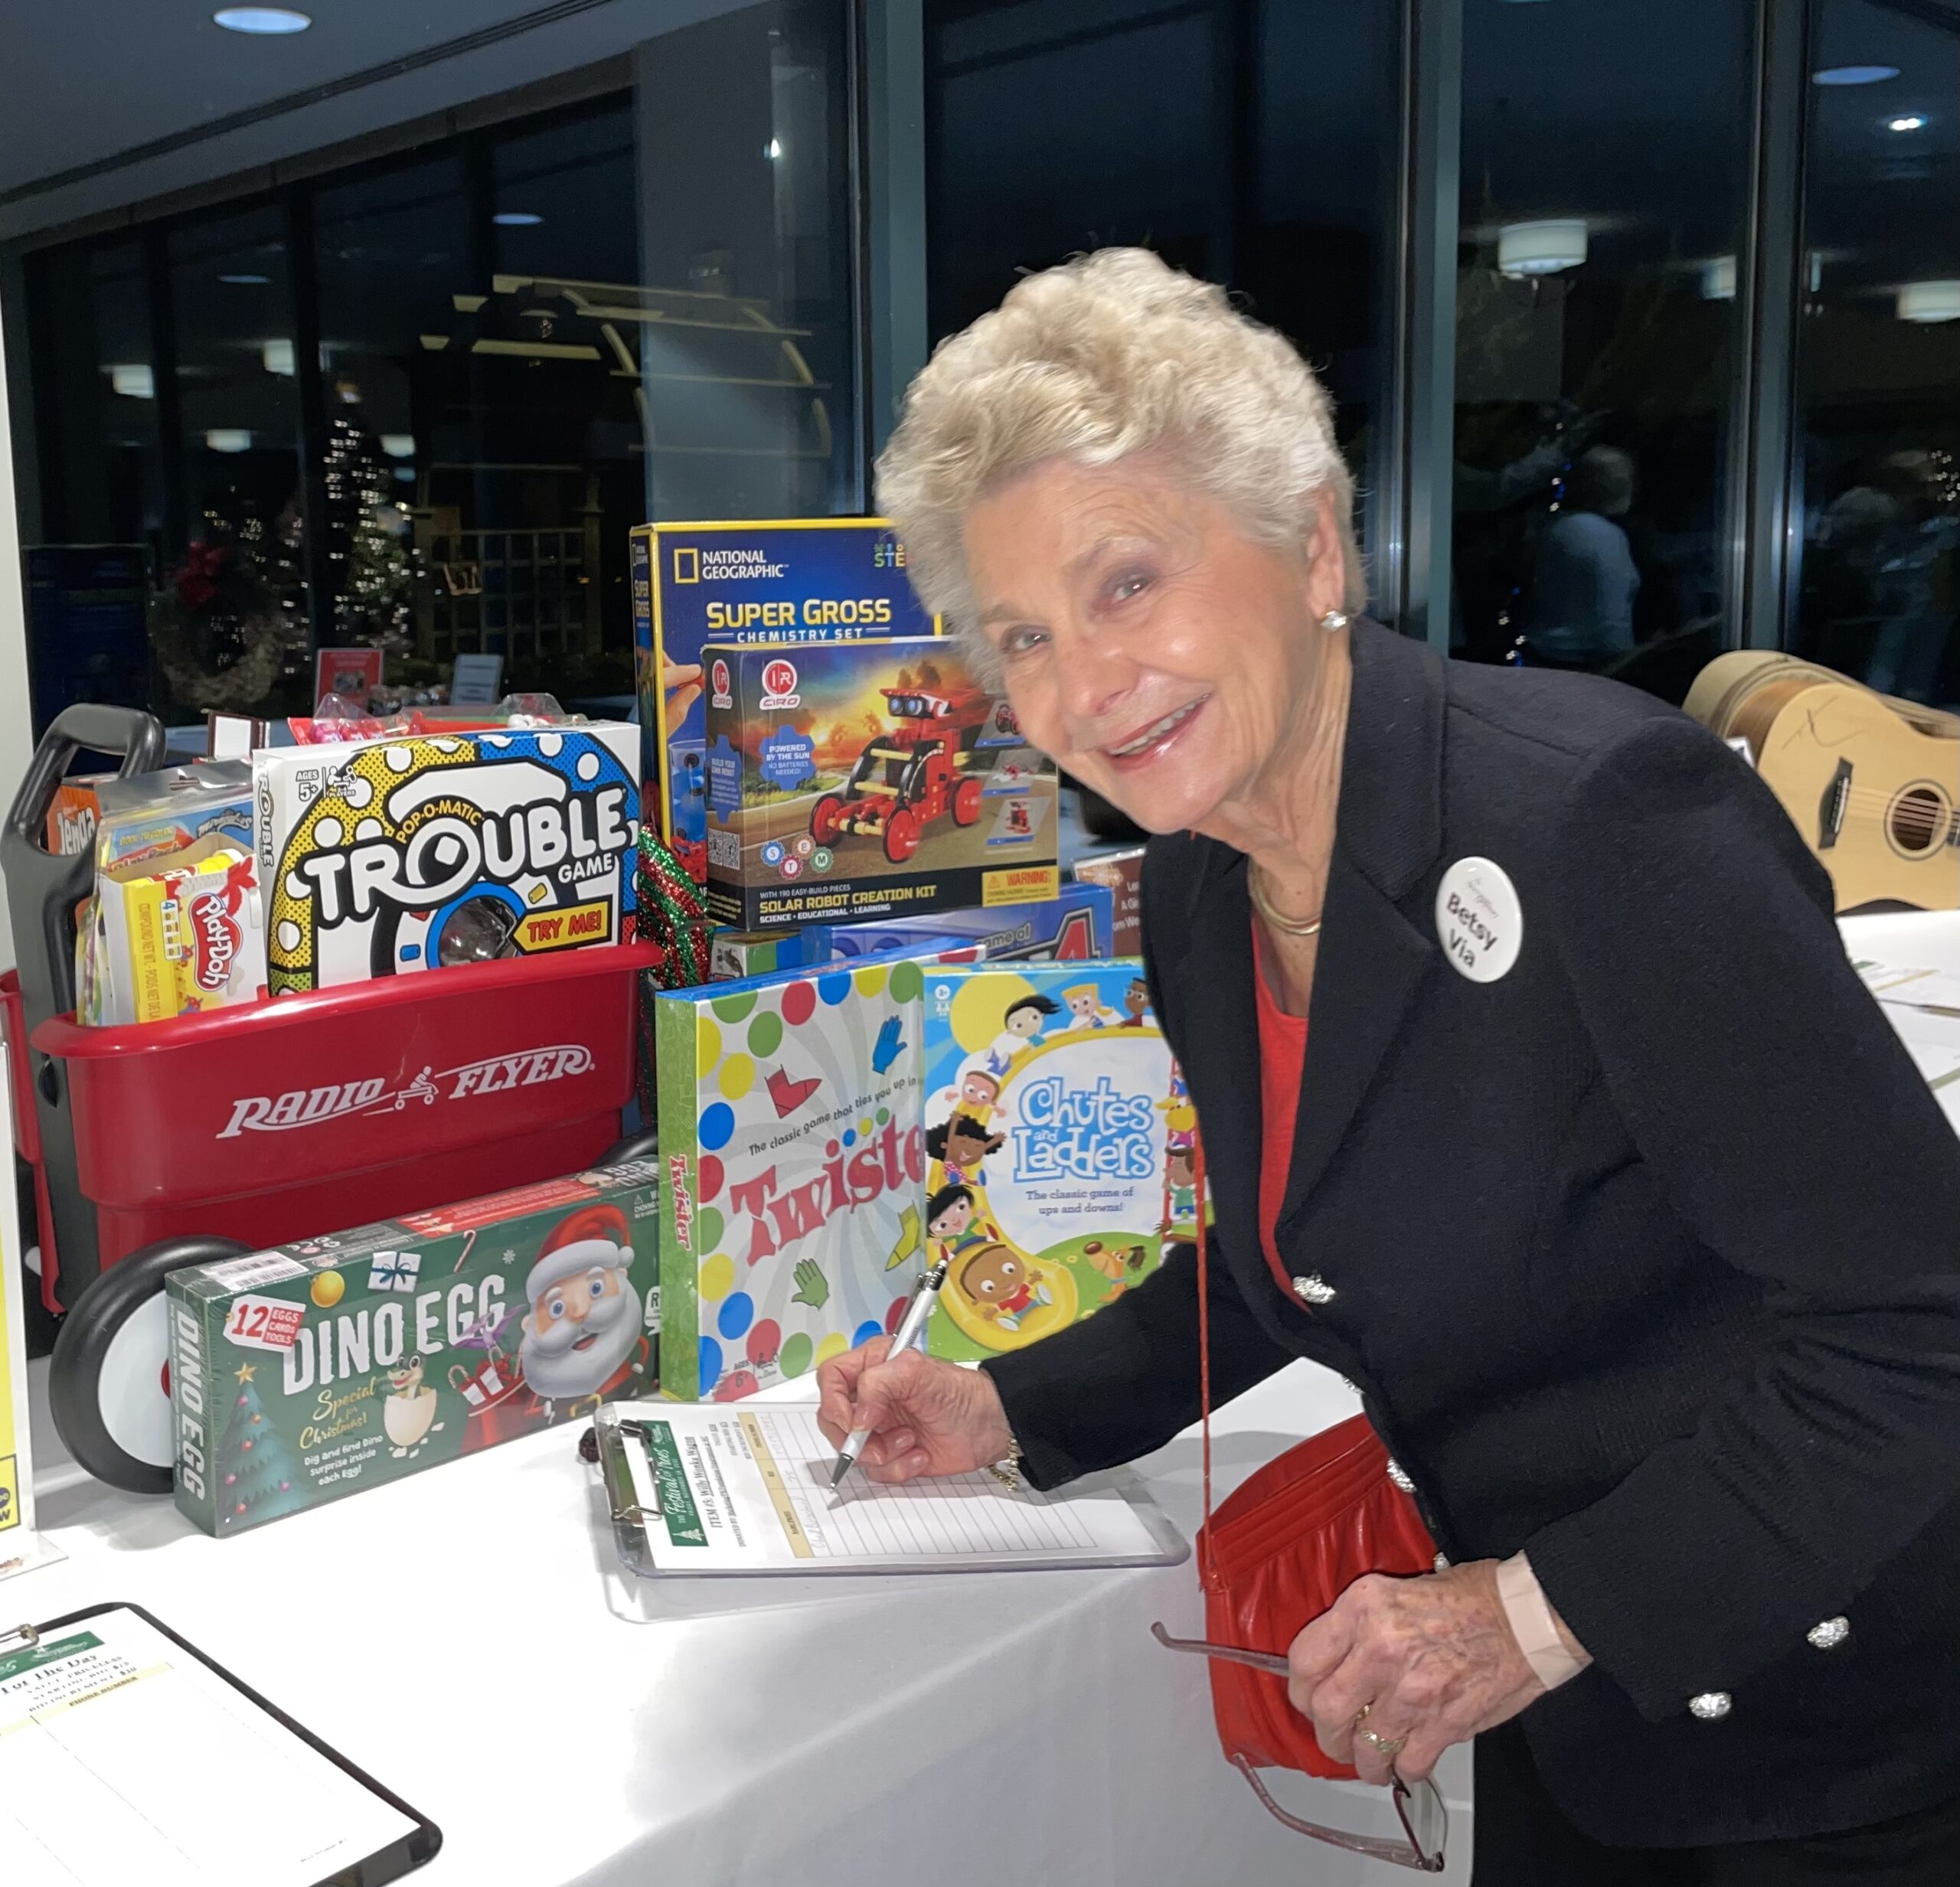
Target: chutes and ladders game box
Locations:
point(1062, 1143)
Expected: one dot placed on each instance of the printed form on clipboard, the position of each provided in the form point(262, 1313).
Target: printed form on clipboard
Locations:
point(720, 1488)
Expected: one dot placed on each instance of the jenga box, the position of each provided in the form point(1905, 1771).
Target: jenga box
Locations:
point(789, 1139)
point(418, 853)
point(72, 813)
point(317, 1369)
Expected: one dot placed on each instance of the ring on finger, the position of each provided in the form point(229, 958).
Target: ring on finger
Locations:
point(1387, 1748)
point(1361, 1716)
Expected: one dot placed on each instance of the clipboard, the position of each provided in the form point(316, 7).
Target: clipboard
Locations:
point(730, 1491)
point(83, 1690)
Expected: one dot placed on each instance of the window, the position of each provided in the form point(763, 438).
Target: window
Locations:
point(1604, 173)
point(418, 403)
point(1879, 353)
point(1253, 145)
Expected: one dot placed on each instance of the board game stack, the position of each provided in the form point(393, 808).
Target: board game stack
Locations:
point(318, 1369)
point(854, 780)
point(1061, 1140)
point(1121, 874)
point(797, 580)
point(795, 1170)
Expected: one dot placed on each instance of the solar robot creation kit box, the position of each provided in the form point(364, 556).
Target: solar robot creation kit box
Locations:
point(797, 580)
point(852, 780)
point(418, 853)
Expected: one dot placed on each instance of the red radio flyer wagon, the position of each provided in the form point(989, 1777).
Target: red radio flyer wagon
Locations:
point(171, 1143)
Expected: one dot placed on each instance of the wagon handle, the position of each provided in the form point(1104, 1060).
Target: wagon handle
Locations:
point(42, 893)
point(42, 889)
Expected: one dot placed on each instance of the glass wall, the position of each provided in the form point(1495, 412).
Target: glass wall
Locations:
point(1604, 181)
point(1878, 398)
point(1254, 144)
point(417, 404)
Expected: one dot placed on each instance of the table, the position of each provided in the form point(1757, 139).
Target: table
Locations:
point(462, 1636)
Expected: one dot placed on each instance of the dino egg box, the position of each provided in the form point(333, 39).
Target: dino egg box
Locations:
point(428, 851)
point(331, 1365)
point(851, 780)
point(794, 1170)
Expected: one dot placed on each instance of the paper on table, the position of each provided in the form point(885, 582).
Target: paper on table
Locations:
point(1900, 985)
point(123, 1758)
point(728, 1490)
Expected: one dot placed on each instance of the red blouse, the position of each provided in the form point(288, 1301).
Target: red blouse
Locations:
point(1283, 1061)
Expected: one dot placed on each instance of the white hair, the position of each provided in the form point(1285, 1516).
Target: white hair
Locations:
point(1095, 361)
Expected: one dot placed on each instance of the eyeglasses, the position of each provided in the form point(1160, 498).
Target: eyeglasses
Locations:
point(1425, 1820)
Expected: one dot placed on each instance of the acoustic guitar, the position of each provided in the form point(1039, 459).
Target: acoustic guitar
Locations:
point(1874, 790)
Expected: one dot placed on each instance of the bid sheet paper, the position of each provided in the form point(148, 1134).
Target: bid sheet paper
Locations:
point(123, 1759)
point(726, 1490)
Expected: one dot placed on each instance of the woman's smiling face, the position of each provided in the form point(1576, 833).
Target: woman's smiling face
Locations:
point(1156, 652)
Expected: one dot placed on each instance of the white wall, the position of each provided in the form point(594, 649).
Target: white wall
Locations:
point(16, 724)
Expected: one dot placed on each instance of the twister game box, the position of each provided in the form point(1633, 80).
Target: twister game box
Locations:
point(1060, 1139)
point(795, 1170)
point(794, 580)
point(414, 853)
point(852, 780)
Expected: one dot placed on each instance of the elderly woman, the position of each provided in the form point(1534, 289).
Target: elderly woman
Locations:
point(1539, 1100)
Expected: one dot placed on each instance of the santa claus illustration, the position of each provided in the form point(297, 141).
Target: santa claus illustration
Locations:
point(582, 1336)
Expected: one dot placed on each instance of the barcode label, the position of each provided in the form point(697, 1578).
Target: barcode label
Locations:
point(263, 1268)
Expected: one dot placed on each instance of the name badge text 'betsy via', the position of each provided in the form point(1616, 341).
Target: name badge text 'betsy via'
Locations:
point(1479, 921)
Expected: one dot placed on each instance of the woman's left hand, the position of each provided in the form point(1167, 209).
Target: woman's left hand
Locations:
point(1431, 1659)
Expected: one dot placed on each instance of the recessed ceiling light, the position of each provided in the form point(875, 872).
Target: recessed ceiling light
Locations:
point(278, 358)
point(245, 281)
point(398, 444)
point(1532, 249)
point(228, 438)
point(1911, 121)
point(275, 20)
point(133, 381)
point(517, 219)
point(1855, 75)
point(773, 149)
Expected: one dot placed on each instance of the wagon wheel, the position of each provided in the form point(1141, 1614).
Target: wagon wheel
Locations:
point(902, 833)
point(966, 800)
point(108, 1381)
point(826, 818)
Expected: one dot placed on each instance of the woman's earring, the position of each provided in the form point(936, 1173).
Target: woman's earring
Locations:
point(1334, 621)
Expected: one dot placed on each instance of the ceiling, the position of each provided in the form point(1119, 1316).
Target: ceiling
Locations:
point(88, 78)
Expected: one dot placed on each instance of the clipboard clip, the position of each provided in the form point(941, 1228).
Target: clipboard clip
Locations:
point(29, 1635)
point(622, 1499)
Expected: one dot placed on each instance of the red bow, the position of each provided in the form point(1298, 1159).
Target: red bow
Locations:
point(197, 579)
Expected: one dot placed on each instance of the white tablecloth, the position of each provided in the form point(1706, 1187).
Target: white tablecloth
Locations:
point(462, 1637)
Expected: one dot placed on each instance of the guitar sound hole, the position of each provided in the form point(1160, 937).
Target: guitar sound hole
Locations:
point(1917, 819)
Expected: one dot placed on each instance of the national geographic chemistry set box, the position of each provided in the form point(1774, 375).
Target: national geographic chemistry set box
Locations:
point(796, 580)
point(868, 779)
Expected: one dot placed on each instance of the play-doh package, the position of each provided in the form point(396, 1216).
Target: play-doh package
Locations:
point(415, 853)
point(1061, 1140)
point(794, 1171)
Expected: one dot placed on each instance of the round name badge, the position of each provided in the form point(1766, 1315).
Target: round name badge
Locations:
point(1479, 921)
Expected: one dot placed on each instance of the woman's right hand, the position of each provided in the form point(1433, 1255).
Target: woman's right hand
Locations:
point(926, 1417)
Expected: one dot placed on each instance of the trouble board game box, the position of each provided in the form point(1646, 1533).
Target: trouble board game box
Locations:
point(1121, 874)
point(316, 1369)
point(854, 780)
point(1073, 925)
point(414, 853)
point(1061, 1140)
point(794, 1171)
point(795, 580)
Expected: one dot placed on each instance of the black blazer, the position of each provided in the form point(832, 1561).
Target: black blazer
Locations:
point(1645, 1257)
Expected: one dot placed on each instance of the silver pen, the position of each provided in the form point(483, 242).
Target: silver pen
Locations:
point(909, 1325)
